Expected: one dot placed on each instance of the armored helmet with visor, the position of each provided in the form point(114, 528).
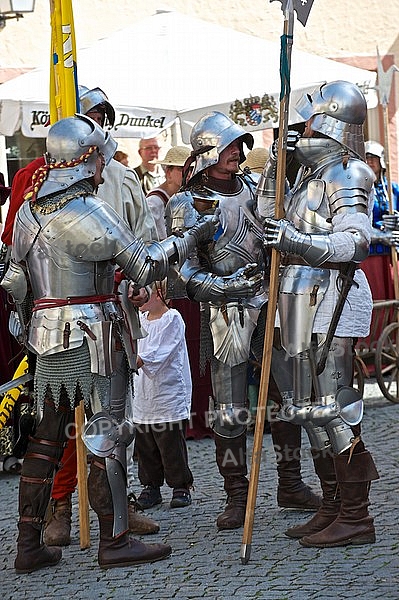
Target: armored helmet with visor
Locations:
point(211, 135)
point(339, 110)
point(67, 141)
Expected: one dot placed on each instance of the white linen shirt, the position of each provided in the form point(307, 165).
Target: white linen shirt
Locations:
point(163, 386)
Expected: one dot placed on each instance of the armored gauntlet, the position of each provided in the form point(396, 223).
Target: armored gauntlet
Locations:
point(282, 235)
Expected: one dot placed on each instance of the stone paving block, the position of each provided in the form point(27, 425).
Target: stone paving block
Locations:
point(206, 564)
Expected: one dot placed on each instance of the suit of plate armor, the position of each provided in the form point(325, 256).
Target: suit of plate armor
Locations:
point(222, 276)
point(326, 227)
point(68, 241)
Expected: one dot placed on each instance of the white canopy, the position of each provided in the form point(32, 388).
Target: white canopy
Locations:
point(173, 68)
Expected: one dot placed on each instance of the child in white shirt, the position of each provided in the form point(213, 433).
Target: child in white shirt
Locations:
point(161, 405)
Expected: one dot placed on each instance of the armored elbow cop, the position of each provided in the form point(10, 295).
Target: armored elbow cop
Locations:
point(145, 264)
point(361, 247)
point(180, 245)
point(15, 283)
point(266, 188)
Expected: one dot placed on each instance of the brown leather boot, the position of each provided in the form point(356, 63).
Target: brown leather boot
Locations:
point(353, 525)
point(34, 494)
point(32, 555)
point(329, 509)
point(123, 551)
point(231, 460)
point(139, 524)
point(57, 531)
point(292, 492)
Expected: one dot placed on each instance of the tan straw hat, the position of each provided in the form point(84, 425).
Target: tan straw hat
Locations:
point(175, 157)
point(256, 160)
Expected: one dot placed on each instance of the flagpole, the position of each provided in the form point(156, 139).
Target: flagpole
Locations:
point(285, 67)
point(384, 91)
point(394, 254)
point(64, 102)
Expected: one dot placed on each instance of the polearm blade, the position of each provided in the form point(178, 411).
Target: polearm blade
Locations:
point(384, 83)
point(288, 7)
point(301, 7)
point(14, 383)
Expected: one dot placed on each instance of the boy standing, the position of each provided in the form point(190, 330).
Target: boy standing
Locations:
point(162, 402)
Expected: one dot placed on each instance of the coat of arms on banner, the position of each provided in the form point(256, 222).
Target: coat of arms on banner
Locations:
point(254, 111)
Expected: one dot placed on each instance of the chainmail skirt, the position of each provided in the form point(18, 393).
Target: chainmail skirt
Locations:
point(69, 371)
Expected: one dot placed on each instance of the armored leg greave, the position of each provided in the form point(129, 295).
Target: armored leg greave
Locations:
point(229, 385)
point(121, 550)
point(106, 435)
point(291, 491)
point(231, 416)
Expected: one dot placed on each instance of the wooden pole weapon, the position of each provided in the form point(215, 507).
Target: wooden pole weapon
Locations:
point(384, 90)
point(64, 102)
point(285, 60)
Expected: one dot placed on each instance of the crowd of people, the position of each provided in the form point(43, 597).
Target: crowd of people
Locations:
point(133, 289)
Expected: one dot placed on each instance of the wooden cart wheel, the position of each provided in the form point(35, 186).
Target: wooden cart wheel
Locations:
point(358, 375)
point(387, 362)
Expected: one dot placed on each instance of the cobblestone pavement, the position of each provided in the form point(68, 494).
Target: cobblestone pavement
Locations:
point(207, 564)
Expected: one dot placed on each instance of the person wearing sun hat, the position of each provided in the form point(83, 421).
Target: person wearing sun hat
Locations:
point(157, 198)
point(255, 161)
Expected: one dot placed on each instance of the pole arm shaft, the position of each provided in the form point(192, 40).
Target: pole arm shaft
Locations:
point(271, 310)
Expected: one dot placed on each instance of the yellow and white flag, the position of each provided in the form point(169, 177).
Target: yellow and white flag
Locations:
point(64, 97)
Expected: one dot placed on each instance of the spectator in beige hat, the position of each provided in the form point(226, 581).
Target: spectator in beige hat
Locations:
point(122, 157)
point(255, 161)
point(158, 197)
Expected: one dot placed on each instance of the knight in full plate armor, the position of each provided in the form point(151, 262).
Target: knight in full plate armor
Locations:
point(324, 304)
point(66, 244)
point(225, 277)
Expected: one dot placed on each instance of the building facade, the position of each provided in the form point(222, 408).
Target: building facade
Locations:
point(345, 31)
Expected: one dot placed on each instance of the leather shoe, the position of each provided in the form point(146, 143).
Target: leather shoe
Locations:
point(181, 498)
point(139, 524)
point(126, 551)
point(149, 497)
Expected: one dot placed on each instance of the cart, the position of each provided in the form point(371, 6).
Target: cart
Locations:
point(378, 354)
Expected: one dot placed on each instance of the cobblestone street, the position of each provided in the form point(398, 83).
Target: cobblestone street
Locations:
point(207, 564)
